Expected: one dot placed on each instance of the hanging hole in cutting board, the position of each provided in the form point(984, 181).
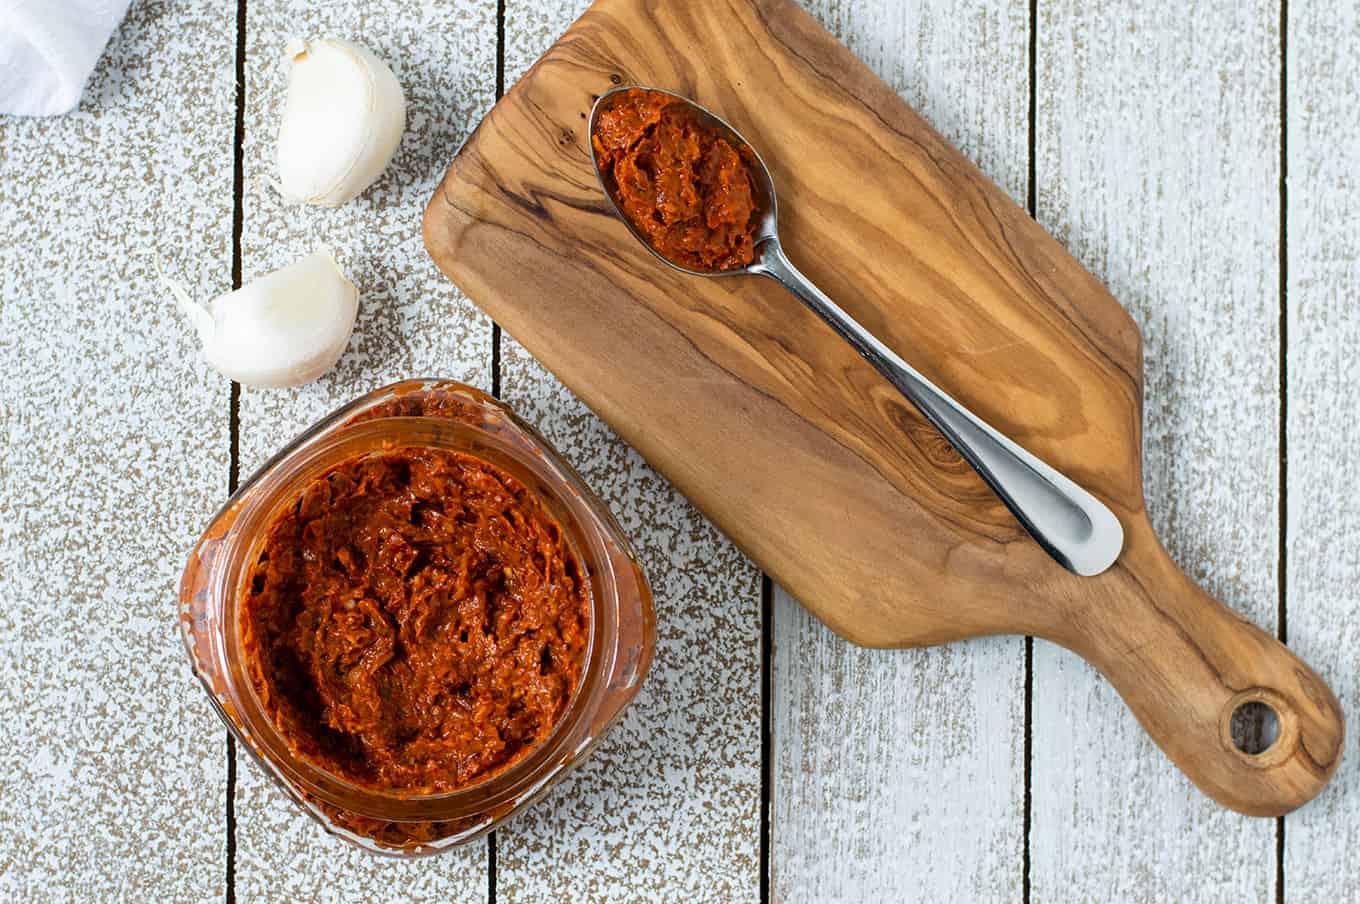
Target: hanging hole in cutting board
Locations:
point(1255, 727)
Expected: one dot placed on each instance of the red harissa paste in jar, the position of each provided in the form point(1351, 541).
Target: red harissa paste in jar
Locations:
point(416, 621)
point(684, 187)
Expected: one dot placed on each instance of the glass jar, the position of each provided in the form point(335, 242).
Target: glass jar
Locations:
point(455, 417)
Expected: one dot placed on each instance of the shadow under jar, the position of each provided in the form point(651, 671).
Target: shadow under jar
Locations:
point(222, 582)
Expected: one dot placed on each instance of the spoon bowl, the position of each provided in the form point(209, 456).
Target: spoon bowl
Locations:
point(764, 183)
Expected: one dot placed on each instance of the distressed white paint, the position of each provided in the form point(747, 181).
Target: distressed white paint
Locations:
point(669, 803)
point(1158, 166)
point(113, 454)
point(899, 774)
point(412, 323)
point(668, 807)
point(1322, 841)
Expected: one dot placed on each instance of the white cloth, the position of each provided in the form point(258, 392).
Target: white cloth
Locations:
point(48, 49)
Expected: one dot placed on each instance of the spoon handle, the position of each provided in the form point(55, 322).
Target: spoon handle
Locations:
point(1072, 526)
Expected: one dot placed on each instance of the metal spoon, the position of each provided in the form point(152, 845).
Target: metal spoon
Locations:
point(1072, 526)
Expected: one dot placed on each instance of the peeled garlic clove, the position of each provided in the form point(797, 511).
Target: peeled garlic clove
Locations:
point(342, 122)
point(284, 329)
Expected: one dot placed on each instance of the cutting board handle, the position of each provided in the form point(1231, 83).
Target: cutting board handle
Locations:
point(1185, 663)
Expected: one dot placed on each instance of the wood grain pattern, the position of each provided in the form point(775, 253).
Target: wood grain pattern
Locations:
point(113, 453)
point(1322, 841)
point(892, 543)
point(1163, 179)
point(410, 324)
point(669, 806)
point(899, 776)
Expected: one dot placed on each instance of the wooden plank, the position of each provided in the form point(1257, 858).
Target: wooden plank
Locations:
point(668, 807)
point(1322, 841)
point(411, 323)
point(899, 775)
point(1157, 165)
point(113, 455)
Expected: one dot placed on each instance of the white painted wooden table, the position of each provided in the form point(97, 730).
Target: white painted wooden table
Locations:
point(1200, 157)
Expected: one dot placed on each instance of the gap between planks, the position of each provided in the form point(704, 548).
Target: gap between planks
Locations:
point(766, 734)
point(234, 401)
point(496, 392)
point(1281, 575)
point(1032, 206)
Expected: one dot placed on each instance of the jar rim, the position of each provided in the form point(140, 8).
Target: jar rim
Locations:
point(506, 442)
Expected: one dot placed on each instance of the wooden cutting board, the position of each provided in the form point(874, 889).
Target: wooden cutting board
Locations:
point(795, 447)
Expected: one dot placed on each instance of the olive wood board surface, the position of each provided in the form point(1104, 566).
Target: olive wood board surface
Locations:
point(796, 448)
